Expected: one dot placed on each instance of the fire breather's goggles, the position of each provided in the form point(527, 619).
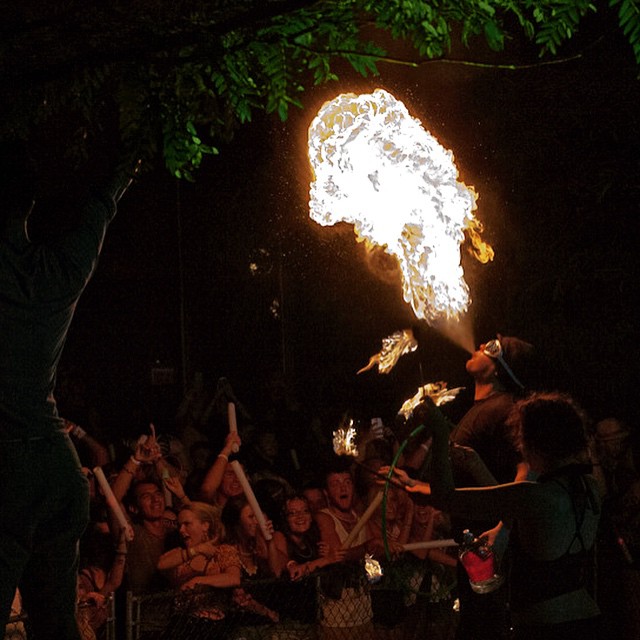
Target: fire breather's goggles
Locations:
point(493, 349)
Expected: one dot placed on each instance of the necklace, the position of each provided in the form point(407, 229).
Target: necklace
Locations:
point(249, 566)
point(247, 560)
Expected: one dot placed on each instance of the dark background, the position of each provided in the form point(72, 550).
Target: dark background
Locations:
point(553, 152)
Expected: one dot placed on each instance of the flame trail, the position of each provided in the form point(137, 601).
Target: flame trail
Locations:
point(393, 348)
point(377, 168)
point(437, 391)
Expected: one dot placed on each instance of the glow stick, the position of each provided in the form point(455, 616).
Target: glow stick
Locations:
point(113, 503)
point(430, 544)
point(251, 498)
point(233, 423)
point(375, 503)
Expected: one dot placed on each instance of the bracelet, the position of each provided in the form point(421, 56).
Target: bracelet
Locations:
point(223, 455)
point(136, 462)
point(192, 552)
point(424, 447)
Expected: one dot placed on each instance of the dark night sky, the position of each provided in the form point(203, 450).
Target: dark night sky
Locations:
point(553, 152)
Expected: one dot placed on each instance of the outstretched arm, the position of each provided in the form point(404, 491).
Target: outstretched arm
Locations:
point(78, 250)
point(213, 478)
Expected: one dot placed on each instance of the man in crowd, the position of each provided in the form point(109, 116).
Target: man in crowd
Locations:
point(345, 603)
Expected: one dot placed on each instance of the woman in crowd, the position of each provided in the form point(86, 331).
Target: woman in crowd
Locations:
point(202, 561)
point(300, 544)
point(302, 547)
point(101, 575)
point(259, 557)
point(555, 518)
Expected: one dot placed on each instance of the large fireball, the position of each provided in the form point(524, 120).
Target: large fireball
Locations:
point(376, 167)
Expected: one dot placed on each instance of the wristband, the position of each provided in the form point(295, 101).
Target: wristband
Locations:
point(223, 455)
point(136, 462)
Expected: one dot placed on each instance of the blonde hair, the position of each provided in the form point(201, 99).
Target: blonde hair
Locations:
point(210, 513)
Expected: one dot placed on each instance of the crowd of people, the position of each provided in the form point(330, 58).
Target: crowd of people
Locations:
point(192, 526)
point(542, 476)
point(522, 482)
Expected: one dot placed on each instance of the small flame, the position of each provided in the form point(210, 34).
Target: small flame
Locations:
point(377, 168)
point(393, 348)
point(373, 569)
point(437, 391)
point(344, 441)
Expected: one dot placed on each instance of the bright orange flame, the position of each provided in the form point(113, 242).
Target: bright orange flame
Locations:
point(344, 441)
point(377, 168)
point(437, 391)
point(393, 348)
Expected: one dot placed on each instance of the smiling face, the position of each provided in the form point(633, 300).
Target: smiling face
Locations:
point(248, 521)
point(340, 491)
point(149, 501)
point(298, 515)
point(192, 529)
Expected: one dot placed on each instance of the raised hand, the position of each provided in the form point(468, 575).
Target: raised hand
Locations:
point(175, 486)
point(147, 448)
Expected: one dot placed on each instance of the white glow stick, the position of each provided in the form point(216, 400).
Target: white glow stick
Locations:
point(375, 503)
point(430, 544)
point(233, 423)
point(113, 503)
point(251, 498)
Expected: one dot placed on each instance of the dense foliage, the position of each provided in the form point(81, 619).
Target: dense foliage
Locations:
point(181, 75)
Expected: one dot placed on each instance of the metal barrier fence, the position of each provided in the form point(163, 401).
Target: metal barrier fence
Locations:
point(408, 603)
point(412, 601)
point(89, 616)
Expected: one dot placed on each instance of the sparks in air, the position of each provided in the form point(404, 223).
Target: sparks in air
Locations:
point(376, 167)
point(437, 391)
point(344, 441)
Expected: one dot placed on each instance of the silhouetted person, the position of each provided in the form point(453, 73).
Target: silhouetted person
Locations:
point(44, 498)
